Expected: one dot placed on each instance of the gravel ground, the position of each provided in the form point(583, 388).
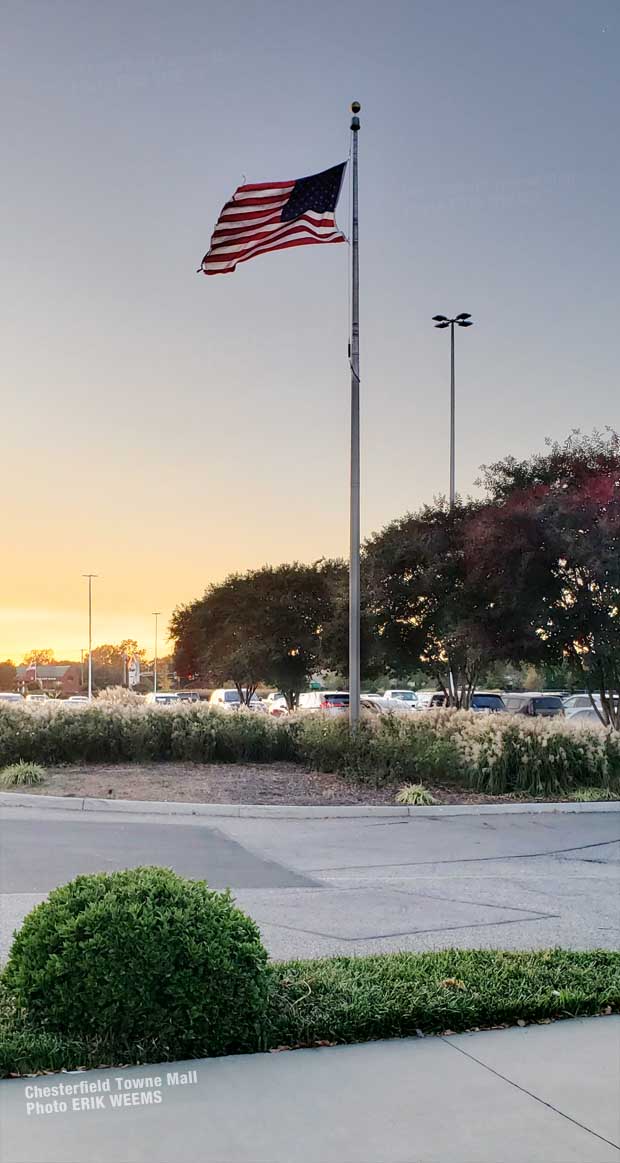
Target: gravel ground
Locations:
point(217, 783)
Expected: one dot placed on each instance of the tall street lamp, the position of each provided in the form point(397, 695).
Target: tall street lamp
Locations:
point(90, 577)
point(156, 614)
point(462, 320)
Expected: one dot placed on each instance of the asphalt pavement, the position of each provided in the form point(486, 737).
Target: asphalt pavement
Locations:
point(319, 887)
point(544, 1094)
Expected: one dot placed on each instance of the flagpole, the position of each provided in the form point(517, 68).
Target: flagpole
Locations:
point(354, 554)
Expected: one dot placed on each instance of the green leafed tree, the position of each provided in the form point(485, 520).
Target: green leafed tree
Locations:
point(264, 626)
point(426, 612)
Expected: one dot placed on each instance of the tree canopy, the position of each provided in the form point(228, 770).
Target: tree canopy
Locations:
point(8, 675)
point(549, 547)
point(43, 657)
point(425, 608)
point(266, 625)
point(528, 576)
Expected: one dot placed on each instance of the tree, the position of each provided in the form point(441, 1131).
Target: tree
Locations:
point(267, 625)
point(566, 588)
point(8, 675)
point(426, 611)
point(334, 654)
point(186, 631)
point(108, 662)
point(42, 657)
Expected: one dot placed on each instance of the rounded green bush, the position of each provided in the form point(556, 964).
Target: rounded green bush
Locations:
point(142, 956)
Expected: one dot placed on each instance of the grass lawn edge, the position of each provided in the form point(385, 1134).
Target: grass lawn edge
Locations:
point(343, 1000)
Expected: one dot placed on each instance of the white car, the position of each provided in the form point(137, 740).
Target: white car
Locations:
point(584, 715)
point(276, 704)
point(161, 698)
point(11, 697)
point(77, 701)
point(580, 702)
point(379, 705)
point(403, 696)
point(37, 698)
point(227, 699)
point(331, 702)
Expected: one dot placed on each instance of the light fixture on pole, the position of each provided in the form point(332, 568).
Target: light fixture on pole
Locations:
point(156, 614)
point(90, 577)
point(462, 320)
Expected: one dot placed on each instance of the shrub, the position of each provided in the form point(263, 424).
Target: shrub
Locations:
point(22, 773)
point(382, 751)
point(491, 753)
point(142, 957)
point(588, 795)
point(414, 793)
point(120, 695)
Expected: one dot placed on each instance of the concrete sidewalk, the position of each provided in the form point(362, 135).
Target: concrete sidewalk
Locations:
point(544, 1093)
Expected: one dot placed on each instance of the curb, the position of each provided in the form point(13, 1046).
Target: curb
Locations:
point(289, 811)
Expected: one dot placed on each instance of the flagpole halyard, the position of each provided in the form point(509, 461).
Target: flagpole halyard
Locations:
point(354, 553)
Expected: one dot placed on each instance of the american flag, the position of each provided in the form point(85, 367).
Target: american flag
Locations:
point(273, 216)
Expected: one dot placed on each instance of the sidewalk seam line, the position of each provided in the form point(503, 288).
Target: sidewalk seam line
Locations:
point(524, 1090)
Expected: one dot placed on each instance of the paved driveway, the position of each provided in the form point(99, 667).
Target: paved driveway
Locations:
point(327, 886)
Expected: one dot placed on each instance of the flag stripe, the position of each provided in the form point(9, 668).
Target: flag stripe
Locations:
point(239, 204)
point(251, 229)
point(274, 216)
point(233, 212)
point(230, 256)
point(234, 245)
point(245, 193)
point(224, 268)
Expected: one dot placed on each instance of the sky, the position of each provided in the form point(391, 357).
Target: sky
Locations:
point(162, 429)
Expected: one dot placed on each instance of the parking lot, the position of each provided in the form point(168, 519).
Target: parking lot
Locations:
point(320, 887)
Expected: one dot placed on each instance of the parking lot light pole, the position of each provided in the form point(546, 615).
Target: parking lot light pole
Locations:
point(354, 360)
point(90, 577)
point(462, 320)
point(156, 614)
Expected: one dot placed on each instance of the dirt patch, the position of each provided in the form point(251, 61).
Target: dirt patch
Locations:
point(219, 783)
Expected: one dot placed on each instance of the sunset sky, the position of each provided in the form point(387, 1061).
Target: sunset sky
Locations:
point(160, 428)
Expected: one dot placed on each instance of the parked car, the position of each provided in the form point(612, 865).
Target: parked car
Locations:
point(489, 703)
point(37, 697)
point(275, 704)
point(379, 705)
point(403, 696)
point(11, 697)
point(77, 701)
point(580, 702)
point(586, 715)
point(582, 705)
point(514, 701)
point(425, 699)
point(428, 700)
point(162, 698)
point(332, 702)
point(543, 706)
point(187, 696)
point(227, 699)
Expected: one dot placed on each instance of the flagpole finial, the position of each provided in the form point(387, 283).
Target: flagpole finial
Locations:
point(355, 121)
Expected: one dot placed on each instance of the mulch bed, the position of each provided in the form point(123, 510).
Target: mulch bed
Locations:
point(217, 783)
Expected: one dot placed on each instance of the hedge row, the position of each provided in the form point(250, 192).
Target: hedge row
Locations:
point(344, 999)
point(494, 753)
